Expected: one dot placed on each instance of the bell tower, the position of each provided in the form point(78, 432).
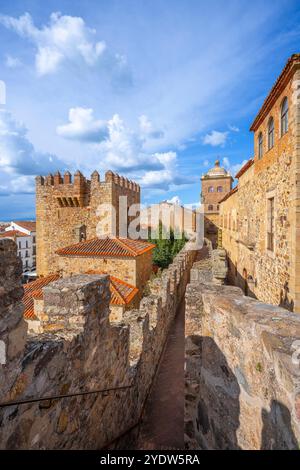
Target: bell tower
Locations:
point(215, 184)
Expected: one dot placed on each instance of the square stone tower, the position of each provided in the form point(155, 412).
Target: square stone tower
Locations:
point(216, 183)
point(67, 211)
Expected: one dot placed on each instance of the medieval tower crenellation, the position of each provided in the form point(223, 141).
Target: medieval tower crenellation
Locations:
point(67, 210)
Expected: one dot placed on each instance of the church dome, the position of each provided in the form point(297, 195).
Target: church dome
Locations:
point(217, 170)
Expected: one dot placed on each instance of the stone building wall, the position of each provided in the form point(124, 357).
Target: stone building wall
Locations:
point(79, 350)
point(143, 269)
point(242, 371)
point(67, 212)
point(135, 271)
point(271, 276)
point(123, 268)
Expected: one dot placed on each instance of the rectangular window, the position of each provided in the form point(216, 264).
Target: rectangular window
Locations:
point(20, 246)
point(260, 145)
point(270, 224)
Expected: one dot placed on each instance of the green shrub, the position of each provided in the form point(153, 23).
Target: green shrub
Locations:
point(166, 249)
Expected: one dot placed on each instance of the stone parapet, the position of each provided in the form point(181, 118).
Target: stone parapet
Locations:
point(242, 371)
point(80, 351)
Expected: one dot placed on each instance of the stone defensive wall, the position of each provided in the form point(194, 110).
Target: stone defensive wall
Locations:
point(83, 381)
point(67, 211)
point(242, 368)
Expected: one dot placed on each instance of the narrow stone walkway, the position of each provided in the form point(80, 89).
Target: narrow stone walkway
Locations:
point(162, 423)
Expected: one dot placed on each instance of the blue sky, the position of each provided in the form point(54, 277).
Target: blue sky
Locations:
point(155, 90)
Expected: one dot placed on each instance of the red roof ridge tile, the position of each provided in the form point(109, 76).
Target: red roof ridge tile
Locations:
point(10, 233)
point(107, 247)
point(231, 192)
point(124, 244)
point(277, 88)
point(115, 281)
point(244, 168)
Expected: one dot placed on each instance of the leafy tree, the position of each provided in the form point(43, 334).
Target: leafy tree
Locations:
point(166, 249)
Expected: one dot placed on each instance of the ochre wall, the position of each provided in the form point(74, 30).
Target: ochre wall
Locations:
point(273, 274)
point(56, 225)
point(123, 268)
point(135, 271)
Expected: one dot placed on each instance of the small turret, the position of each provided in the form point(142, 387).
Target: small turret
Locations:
point(95, 177)
point(109, 176)
point(49, 179)
point(78, 178)
point(57, 178)
point(39, 181)
point(67, 178)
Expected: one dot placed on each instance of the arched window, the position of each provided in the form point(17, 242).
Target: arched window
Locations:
point(210, 207)
point(271, 133)
point(284, 116)
point(260, 145)
point(211, 189)
point(220, 189)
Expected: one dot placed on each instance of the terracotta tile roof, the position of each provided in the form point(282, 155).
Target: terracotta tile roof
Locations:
point(116, 247)
point(234, 190)
point(277, 88)
point(33, 290)
point(27, 224)
point(122, 293)
point(13, 234)
point(244, 168)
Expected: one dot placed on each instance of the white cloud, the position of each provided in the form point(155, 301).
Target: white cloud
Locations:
point(120, 149)
point(175, 200)
point(83, 126)
point(64, 38)
point(168, 178)
point(147, 129)
point(17, 154)
point(23, 184)
point(233, 169)
point(233, 128)
point(123, 149)
point(215, 138)
point(12, 62)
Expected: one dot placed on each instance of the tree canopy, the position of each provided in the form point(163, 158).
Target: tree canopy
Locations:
point(166, 248)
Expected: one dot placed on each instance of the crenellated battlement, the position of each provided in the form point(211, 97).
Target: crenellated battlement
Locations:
point(118, 180)
point(80, 181)
point(67, 209)
point(78, 354)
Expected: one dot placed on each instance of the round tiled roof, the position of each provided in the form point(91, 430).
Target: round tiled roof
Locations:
point(217, 170)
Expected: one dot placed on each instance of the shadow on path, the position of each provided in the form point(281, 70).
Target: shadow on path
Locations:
point(162, 423)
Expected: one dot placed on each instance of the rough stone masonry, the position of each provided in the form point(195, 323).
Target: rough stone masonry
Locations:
point(79, 351)
point(242, 369)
